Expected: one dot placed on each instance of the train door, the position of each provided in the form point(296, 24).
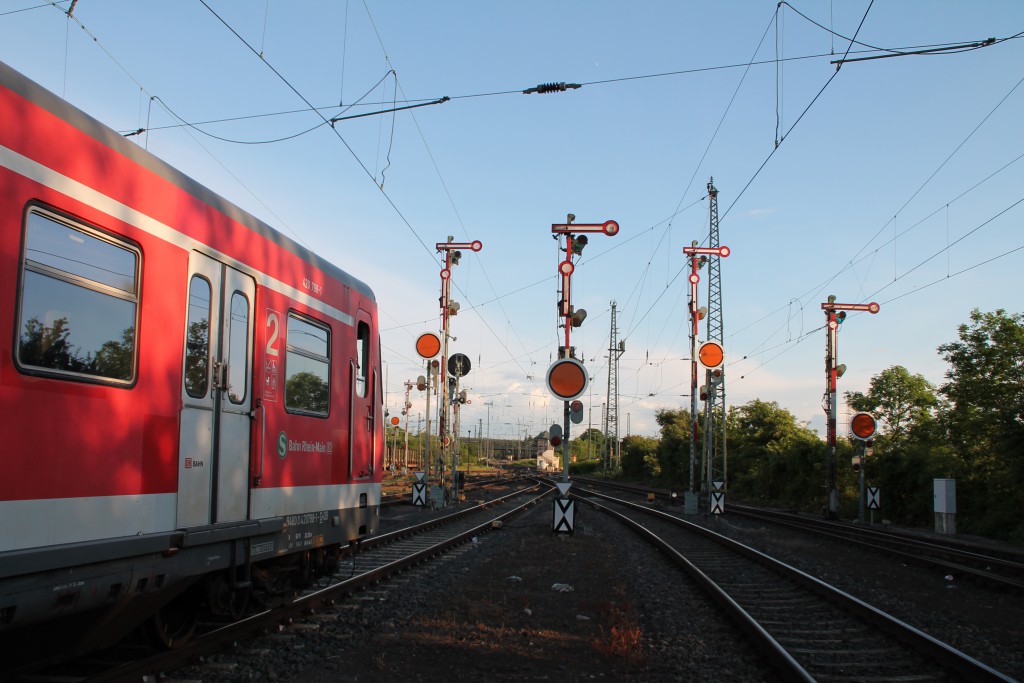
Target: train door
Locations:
point(216, 392)
point(364, 412)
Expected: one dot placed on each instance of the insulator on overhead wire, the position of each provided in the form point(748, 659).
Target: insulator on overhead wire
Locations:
point(551, 87)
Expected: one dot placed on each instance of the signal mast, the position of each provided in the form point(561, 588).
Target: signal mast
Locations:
point(835, 315)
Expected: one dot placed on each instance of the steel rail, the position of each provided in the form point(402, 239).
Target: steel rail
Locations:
point(471, 521)
point(957, 560)
point(988, 566)
point(784, 663)
point(935, 650)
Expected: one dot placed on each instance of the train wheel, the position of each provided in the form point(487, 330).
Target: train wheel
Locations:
point(173, 625)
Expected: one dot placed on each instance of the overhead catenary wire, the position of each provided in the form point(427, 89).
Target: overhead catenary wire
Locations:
point(902, 225)
point(451, 201)
point(409, 103)
point(946, 250)
point(906, 203)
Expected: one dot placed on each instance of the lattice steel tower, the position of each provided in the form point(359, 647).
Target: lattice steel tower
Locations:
point(611, 415)
point(714, 435)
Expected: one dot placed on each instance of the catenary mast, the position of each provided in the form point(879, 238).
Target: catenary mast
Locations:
point(714, 437)
point(611, 423)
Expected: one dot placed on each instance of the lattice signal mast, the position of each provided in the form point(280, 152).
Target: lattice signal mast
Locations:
point(611, 423)
point(714, 435)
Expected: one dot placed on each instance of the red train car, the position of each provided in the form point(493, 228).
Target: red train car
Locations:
point(190, 402)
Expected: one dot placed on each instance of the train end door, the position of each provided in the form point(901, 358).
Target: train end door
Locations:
point(364, 419)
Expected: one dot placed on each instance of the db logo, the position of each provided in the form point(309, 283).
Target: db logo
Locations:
point(188, 463)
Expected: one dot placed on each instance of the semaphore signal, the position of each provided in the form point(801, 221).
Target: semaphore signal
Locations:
point(835, 314)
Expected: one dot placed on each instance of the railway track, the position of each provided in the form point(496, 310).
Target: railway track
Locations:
point(376, 560)
point(986, 566)
point(1001, 569)
point(806, 628)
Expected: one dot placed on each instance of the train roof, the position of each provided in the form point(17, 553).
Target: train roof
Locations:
point(33, 92)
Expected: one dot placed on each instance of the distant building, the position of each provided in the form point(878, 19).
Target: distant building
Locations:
point(547, 459)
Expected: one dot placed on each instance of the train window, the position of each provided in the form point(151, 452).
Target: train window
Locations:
point(79, 301)
point(197, 338)
point(362, 358)
point(238, 348)
point(307, 367)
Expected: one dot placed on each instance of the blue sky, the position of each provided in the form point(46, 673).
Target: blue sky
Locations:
point(895, 180)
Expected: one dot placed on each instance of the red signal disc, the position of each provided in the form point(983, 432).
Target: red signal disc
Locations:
point(428, 345)
point(567, 379)
point(711, 354)
point(862, 425)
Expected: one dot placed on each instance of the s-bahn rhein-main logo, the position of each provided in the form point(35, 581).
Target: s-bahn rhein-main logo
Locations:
point(286, 446)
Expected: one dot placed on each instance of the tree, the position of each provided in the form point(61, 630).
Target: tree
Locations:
point(772, 457)
point(197, 357)
point(984, 421)
point(986, 377)
point(307, 391)
point(900, 400)
point(114, 358)
point(640, 457)
point(590, 445)
point(47, 346)
point(909, 451)
point(674, 448)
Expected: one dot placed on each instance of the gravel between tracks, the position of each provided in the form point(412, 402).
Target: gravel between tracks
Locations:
point(501, 609)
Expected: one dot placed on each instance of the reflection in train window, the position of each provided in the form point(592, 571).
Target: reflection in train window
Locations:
point(79, 301)
point(362, 358)
point(238, 348)
point(197, 338)
point(307, 367)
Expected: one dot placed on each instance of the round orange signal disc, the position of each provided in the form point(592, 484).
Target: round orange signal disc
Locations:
point(428, 345)
point(862, 425)
point(567, 379)
point(395, 421)
point(711, 354)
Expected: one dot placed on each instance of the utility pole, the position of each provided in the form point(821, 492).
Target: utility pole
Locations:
point(428, 345)
point(606, 457)
point(611, 428)
point(449, 308)
point(488, 450)
point(835, 314)
point(714, 435)
point(405, 411)
point(567, 378)
point(711, 350)
point(458, 366)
